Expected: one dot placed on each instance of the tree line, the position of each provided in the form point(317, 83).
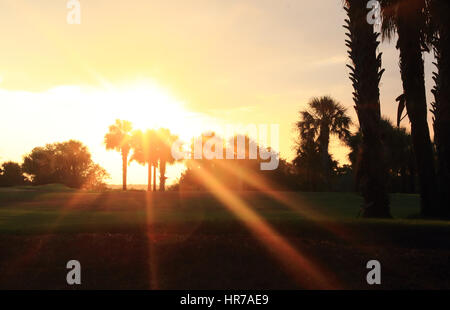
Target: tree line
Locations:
point(236, 169)
point(313, 169)
point(153, 148)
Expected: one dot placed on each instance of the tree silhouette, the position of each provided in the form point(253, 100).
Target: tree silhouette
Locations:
point(397, 146)
point(164, 144)
point(408, 20)
point(145, 152)
point(324, 117)
point(118, 138)
point(365, 75)
point(68, 163)
point(11, 174)
point(307, 160)
point(237, 171)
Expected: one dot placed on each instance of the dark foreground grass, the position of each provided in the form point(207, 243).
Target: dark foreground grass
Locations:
point(191, 241)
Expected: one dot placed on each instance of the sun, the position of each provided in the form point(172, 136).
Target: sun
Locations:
point(148, 105)
point(85, 113)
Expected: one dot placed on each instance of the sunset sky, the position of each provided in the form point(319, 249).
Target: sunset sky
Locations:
point(188, 65)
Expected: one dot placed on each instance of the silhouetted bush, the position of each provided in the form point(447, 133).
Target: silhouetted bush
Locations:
point(11, 174)
point(68, 163)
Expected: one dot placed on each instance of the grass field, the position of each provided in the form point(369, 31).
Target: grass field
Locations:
point(172, 240)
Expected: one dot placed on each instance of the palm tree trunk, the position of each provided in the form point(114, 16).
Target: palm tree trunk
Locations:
point(124, 170)
point(162, 176)
point(366, 74)
point(149, 178)
point(412, 72)
point(324, 141)
point(154, 178)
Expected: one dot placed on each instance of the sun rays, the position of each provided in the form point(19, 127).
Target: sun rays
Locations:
point(304, 271)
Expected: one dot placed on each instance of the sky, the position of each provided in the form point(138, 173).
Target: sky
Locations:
point(189, 65)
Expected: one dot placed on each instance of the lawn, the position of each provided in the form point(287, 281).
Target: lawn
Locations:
point(172, 240)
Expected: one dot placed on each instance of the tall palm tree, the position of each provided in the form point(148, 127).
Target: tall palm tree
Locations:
point(365, 75)
point(440, 38)
point(145, 152)
point(165, 141)
point(324, 117)
point(407, 19)
point(118, 138)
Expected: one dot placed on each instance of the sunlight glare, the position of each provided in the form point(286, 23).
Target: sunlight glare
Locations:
point(148, 105)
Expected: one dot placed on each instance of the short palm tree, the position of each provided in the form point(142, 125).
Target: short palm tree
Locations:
point(365, 75)
point(408, 19)
point(323, 118)
point(145, 151)
point(164, 142)
point(118, 138)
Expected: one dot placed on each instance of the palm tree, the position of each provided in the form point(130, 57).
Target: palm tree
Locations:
point(407, 18)
point(164, 142)
point(440, 38)
point(118, 138)
point(145, 152)
point(365, 75)
point(324, 117)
